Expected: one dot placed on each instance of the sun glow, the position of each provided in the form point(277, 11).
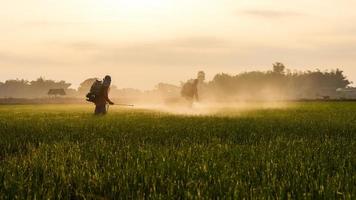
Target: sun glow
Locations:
point(129, 11)
point(136, 5)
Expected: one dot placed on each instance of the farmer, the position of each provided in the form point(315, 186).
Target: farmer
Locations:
point(103, 98)
point(190, 91)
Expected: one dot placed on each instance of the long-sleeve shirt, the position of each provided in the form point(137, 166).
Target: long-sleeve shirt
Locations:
point(103, 98)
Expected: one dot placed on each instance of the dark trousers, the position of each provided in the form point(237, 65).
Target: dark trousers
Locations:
point(100, 109)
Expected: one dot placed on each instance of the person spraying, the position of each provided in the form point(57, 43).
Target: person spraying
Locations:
point(99, 95)
point(190, 92)
point(190, 89)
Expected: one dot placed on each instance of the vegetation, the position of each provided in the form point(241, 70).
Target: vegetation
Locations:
point(300, 151)
point(278, 83)
point(32, 89)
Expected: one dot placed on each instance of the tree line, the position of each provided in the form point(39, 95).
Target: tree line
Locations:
point(277, 83)
point(20, 88)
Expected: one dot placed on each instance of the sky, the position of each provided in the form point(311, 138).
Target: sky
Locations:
point(143, 42)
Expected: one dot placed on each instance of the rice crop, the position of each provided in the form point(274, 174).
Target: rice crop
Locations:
point(301, 151)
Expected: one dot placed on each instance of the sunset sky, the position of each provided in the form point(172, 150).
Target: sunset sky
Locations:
point(143, 42)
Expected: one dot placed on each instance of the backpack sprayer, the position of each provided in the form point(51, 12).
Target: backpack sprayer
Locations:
point(96, 91)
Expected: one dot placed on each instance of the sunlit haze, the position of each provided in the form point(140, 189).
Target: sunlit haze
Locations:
point(143, 42)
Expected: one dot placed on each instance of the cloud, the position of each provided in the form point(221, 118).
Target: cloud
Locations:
point(85, 46)
point(17, 59)
point(204, 42)
point(198, 42)
point(61, 24)
point(174, 52)
point(271, 14)
point(183, 52)
point(186, 51)
point(207, 51)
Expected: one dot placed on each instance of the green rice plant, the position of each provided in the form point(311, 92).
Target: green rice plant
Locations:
point(300, 151)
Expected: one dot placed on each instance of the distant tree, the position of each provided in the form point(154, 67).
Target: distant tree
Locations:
point(167, 89)
point(125, 92)
point(278, 68)
point(223, 85)
point(71, 92)
point(41, 86)
point(340, 79)
point(278, 84)
point(56, 92)
point(14, 88)
point(25, 89)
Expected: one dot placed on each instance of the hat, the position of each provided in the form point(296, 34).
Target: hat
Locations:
point(107, 81)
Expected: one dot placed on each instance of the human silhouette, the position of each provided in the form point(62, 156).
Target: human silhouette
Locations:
point(190, 91)
point(103, 98)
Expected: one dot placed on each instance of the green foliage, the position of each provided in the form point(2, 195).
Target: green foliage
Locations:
point(302, 151)
point(37, 88)
point(278, 84)
point(278, 68)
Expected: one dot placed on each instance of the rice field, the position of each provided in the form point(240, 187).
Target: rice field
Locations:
point(294, 151)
